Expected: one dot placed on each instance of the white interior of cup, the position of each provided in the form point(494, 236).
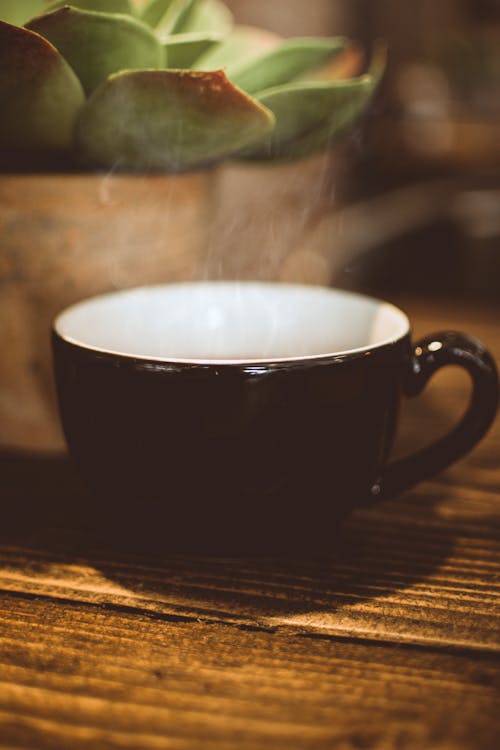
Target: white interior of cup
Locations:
point(231, 322)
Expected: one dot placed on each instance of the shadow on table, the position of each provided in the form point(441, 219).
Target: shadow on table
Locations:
point(378, 551)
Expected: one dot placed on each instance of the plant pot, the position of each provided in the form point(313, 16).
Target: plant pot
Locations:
point(67, 237)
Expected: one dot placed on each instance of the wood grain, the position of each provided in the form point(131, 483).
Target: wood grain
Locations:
point(80, 677)
point(390, 640)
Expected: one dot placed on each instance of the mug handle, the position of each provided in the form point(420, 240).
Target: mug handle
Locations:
point(429, 355)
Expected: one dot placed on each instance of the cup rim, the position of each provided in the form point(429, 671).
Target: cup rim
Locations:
point(403, 332)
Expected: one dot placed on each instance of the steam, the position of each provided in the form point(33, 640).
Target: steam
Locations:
point(257, 214)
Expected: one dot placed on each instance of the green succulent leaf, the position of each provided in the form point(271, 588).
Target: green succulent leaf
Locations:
point(154, 11)
point(312, 116)
point(99, 44)
point(173, 120)
point(183, 50)
point(40, 96)
point(243, 44)
point(281, 65)
point(210, 16)
point(176, 18)
point(18, 12)
point(101, 6)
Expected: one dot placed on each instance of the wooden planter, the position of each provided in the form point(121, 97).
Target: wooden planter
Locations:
point(67, 237)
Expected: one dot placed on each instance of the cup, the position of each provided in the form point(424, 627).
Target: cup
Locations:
point(250, 414)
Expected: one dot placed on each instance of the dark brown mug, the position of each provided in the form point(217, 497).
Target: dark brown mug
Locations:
point(250, 413)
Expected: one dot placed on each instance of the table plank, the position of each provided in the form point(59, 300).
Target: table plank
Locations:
point(78, 676)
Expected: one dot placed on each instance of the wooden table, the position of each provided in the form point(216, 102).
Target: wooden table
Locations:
point(390, 643)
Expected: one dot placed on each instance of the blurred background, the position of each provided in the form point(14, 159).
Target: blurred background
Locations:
point(417, 186)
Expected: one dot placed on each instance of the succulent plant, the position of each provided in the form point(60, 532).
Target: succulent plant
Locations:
point(166, 84)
